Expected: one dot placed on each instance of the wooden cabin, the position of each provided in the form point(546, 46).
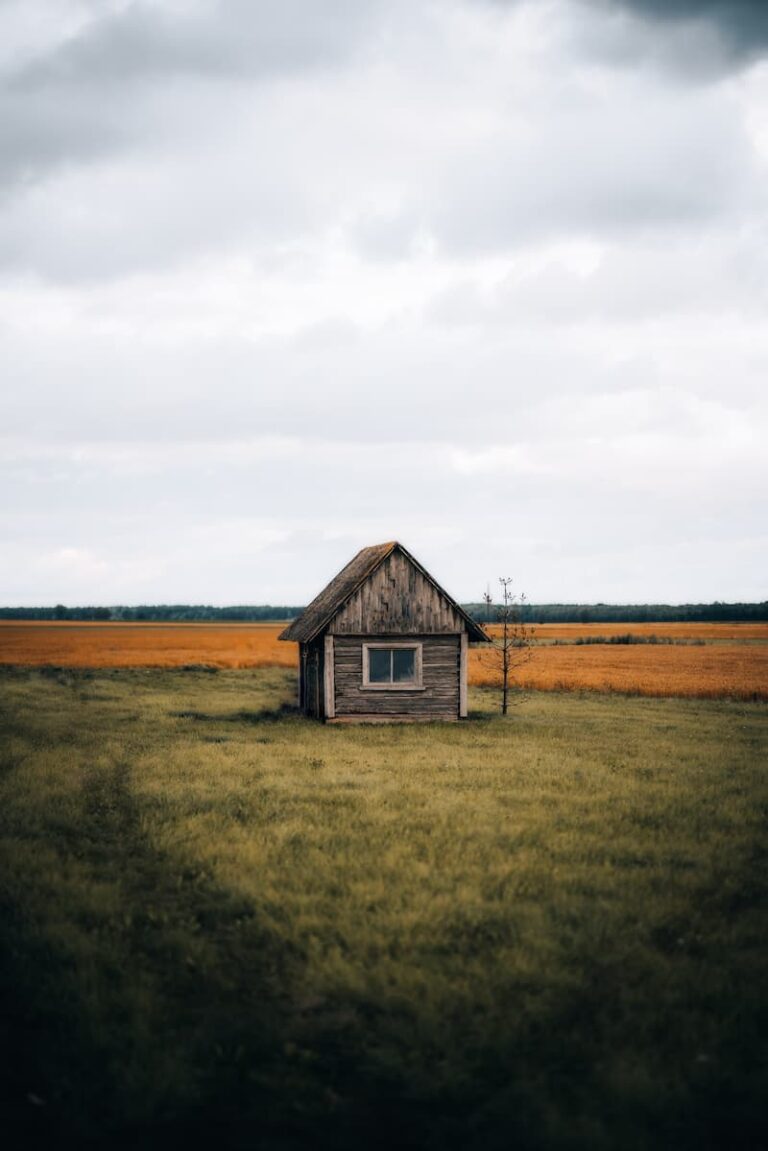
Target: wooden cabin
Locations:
point(383, 642)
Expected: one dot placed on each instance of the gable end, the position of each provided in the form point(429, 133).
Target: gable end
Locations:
point(383, 590)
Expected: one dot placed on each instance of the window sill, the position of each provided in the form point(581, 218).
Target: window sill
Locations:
point(391, 687)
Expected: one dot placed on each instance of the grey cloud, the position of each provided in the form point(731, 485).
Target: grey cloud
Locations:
point(732, 30)
point(192, 167)
point(102, 90)
point(39, 133)
point(695, 41)
point(144, 41)
point(639, 164)
point(133, 214)
point(456, 383)
point(742, 25)
point(206, 311)
point(631, 283)
point(88, 519)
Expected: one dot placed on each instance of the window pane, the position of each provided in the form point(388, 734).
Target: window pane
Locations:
point(379, 664)
point(403, 665)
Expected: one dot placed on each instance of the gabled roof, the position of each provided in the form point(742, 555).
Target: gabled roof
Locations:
point(342, 587)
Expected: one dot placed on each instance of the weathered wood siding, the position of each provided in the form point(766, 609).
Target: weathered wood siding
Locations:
point(311, 655)
point(396, 600)
point(438, 698)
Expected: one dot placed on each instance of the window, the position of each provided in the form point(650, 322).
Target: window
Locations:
point(392, 667)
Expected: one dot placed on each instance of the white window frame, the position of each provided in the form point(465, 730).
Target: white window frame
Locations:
point(413, 685)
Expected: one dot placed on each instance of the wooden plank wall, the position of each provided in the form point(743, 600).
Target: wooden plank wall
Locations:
point(398, 600)
point(440, 677)
point(313, 685)
point(329, 704)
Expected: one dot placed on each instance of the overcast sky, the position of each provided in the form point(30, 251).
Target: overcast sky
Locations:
point(283, 278)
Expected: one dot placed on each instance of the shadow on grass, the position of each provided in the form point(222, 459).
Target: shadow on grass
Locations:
point(260, 715)
point(174, 1022)
point(159, 1018)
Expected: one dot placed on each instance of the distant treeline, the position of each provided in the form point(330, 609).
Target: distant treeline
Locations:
point(629, 613)
point(531, 613)
point(155, 613)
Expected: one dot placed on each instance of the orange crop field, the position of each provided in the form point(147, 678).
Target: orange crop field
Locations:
point(713, 671)
point(144, 645)
point(690, 632)
point(705, 660)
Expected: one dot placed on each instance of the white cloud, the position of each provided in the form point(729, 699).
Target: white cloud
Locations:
point(486, 277)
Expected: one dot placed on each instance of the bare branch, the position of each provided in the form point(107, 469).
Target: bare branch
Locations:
point(512, 640)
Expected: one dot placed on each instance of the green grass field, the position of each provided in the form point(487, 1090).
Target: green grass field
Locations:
point(226, 924)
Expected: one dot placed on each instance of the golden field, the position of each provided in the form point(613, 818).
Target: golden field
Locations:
point(706, 660)
point(713, 671)
point(690, 632)
point(67, 644)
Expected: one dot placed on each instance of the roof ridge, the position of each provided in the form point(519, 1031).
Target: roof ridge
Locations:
point(336, 593)
point(342, 587)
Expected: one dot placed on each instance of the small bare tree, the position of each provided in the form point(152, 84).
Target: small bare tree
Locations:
point(512, 643)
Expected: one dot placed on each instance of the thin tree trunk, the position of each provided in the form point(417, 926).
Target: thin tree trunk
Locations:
point(505, 667)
